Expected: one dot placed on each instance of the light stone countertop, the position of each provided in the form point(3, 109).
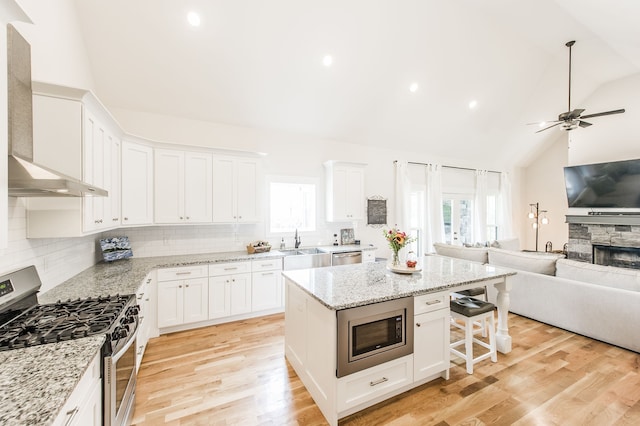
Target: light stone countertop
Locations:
point(37, 381)
point(348, 286)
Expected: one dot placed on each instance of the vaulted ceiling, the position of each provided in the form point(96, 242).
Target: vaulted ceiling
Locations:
point(260, 64)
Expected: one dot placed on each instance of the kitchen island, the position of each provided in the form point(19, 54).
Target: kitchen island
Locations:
point(315, 296)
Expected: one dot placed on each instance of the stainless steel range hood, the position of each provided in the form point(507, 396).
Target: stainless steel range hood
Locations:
point(25, 178)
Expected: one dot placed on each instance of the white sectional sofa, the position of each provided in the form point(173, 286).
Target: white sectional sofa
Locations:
point(601, 302)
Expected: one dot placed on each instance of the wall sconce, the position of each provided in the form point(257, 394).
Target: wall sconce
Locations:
point(540, 217)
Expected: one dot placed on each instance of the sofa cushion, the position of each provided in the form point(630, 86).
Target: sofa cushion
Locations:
point(541, 263)
point(507, 244)
point(609, 276)
point(474, 254)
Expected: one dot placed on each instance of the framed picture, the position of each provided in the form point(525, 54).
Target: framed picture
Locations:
point(376, 211)
point(347, 236)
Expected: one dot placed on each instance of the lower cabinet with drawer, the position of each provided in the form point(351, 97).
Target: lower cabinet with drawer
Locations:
point(182, 295)
point(229, 289)
point(365, 386)
point(84, 406)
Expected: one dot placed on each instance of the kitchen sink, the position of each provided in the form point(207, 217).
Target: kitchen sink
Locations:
point(304, 259)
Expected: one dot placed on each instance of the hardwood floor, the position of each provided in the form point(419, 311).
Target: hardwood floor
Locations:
point(236, 374)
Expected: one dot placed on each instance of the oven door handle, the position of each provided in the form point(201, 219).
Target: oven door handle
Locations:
point(131, 341)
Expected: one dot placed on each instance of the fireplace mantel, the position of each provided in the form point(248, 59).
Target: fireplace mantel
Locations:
point(605, 219)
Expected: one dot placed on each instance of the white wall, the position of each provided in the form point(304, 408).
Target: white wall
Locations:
point(544, 184)
point(58, 53)
point(614, 137)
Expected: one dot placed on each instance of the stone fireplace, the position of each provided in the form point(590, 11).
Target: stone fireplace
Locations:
point(612, 240)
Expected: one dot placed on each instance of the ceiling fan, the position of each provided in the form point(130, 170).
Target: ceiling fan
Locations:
point(572, 118)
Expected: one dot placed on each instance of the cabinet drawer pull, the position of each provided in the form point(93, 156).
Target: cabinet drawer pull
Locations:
point(267, 273)
point(231, 269)
point(71, 414)
point(140, 349)
point(267, 265)
point(140, 296)
point(183, 273)
point(377, 382)
point(434, 302)
point(148, 280)
point(418, 324)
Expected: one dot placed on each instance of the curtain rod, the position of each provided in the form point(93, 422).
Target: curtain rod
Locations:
point(448, 167)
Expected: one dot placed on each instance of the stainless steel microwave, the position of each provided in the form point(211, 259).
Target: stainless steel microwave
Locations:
point(373, 334)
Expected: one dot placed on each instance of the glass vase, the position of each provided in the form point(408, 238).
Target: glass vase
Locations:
point(396, 259)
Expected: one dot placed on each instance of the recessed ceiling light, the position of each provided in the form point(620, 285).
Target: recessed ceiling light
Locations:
point(542, 123)
point(413, 87)
point(194, 19)
point(327, 61)
point(473, 104)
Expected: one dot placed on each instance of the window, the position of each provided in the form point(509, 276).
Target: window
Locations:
point(292, 206)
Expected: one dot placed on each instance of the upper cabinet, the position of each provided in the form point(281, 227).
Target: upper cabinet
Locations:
point(75, 135)
point(235, 190)
point(137, 184)
point(183, 186)
point(345, 191)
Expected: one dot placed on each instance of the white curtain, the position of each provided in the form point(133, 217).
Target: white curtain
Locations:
point(480, 208)
point(434, 220)
point(403, 195)
point(504, 214)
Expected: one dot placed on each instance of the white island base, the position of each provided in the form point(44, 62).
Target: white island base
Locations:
point(310, 348)
point(311, 339)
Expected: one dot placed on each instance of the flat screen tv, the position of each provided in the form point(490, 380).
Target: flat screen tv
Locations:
point(615, 184)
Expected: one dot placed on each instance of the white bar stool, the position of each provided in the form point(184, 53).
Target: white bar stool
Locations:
point(481, 326)
point(471, 311)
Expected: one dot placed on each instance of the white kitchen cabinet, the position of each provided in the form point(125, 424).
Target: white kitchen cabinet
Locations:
point(182, 295)
point(345, 197)
point(183, 186)
point(266, 284)
point(84, 405)
point(368, 256)
point(137, 183)
point(99, 166)
point(229, 289)
point(73, 122)
point(145, 298)
point(431, 336)
point(235, 190)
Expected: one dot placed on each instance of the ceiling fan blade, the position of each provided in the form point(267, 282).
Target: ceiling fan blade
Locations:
point(553, 125)
point(542, 123)
point(583, 124)
point(570, 115)
point(599, 114)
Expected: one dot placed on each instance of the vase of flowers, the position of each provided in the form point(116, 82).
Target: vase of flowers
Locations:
point(397, 240)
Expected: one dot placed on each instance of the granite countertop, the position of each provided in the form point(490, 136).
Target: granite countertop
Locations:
point(342, 287)
point(37, 381)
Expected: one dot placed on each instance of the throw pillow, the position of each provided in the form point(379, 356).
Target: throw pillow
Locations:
point(468, 253)
point(610, 276)
point(541, 263)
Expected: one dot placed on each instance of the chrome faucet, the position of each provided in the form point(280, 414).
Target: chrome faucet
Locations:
point(296, 239)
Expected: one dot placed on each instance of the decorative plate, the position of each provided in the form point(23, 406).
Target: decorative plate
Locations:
point(403, 269)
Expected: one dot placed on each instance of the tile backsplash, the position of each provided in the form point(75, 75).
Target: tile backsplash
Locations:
point(56, 259)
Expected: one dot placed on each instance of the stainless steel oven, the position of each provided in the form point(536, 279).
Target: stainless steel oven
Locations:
point(119, 371)
point(373, 334)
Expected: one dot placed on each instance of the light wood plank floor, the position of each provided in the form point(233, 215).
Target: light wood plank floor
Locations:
point(236, 374)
